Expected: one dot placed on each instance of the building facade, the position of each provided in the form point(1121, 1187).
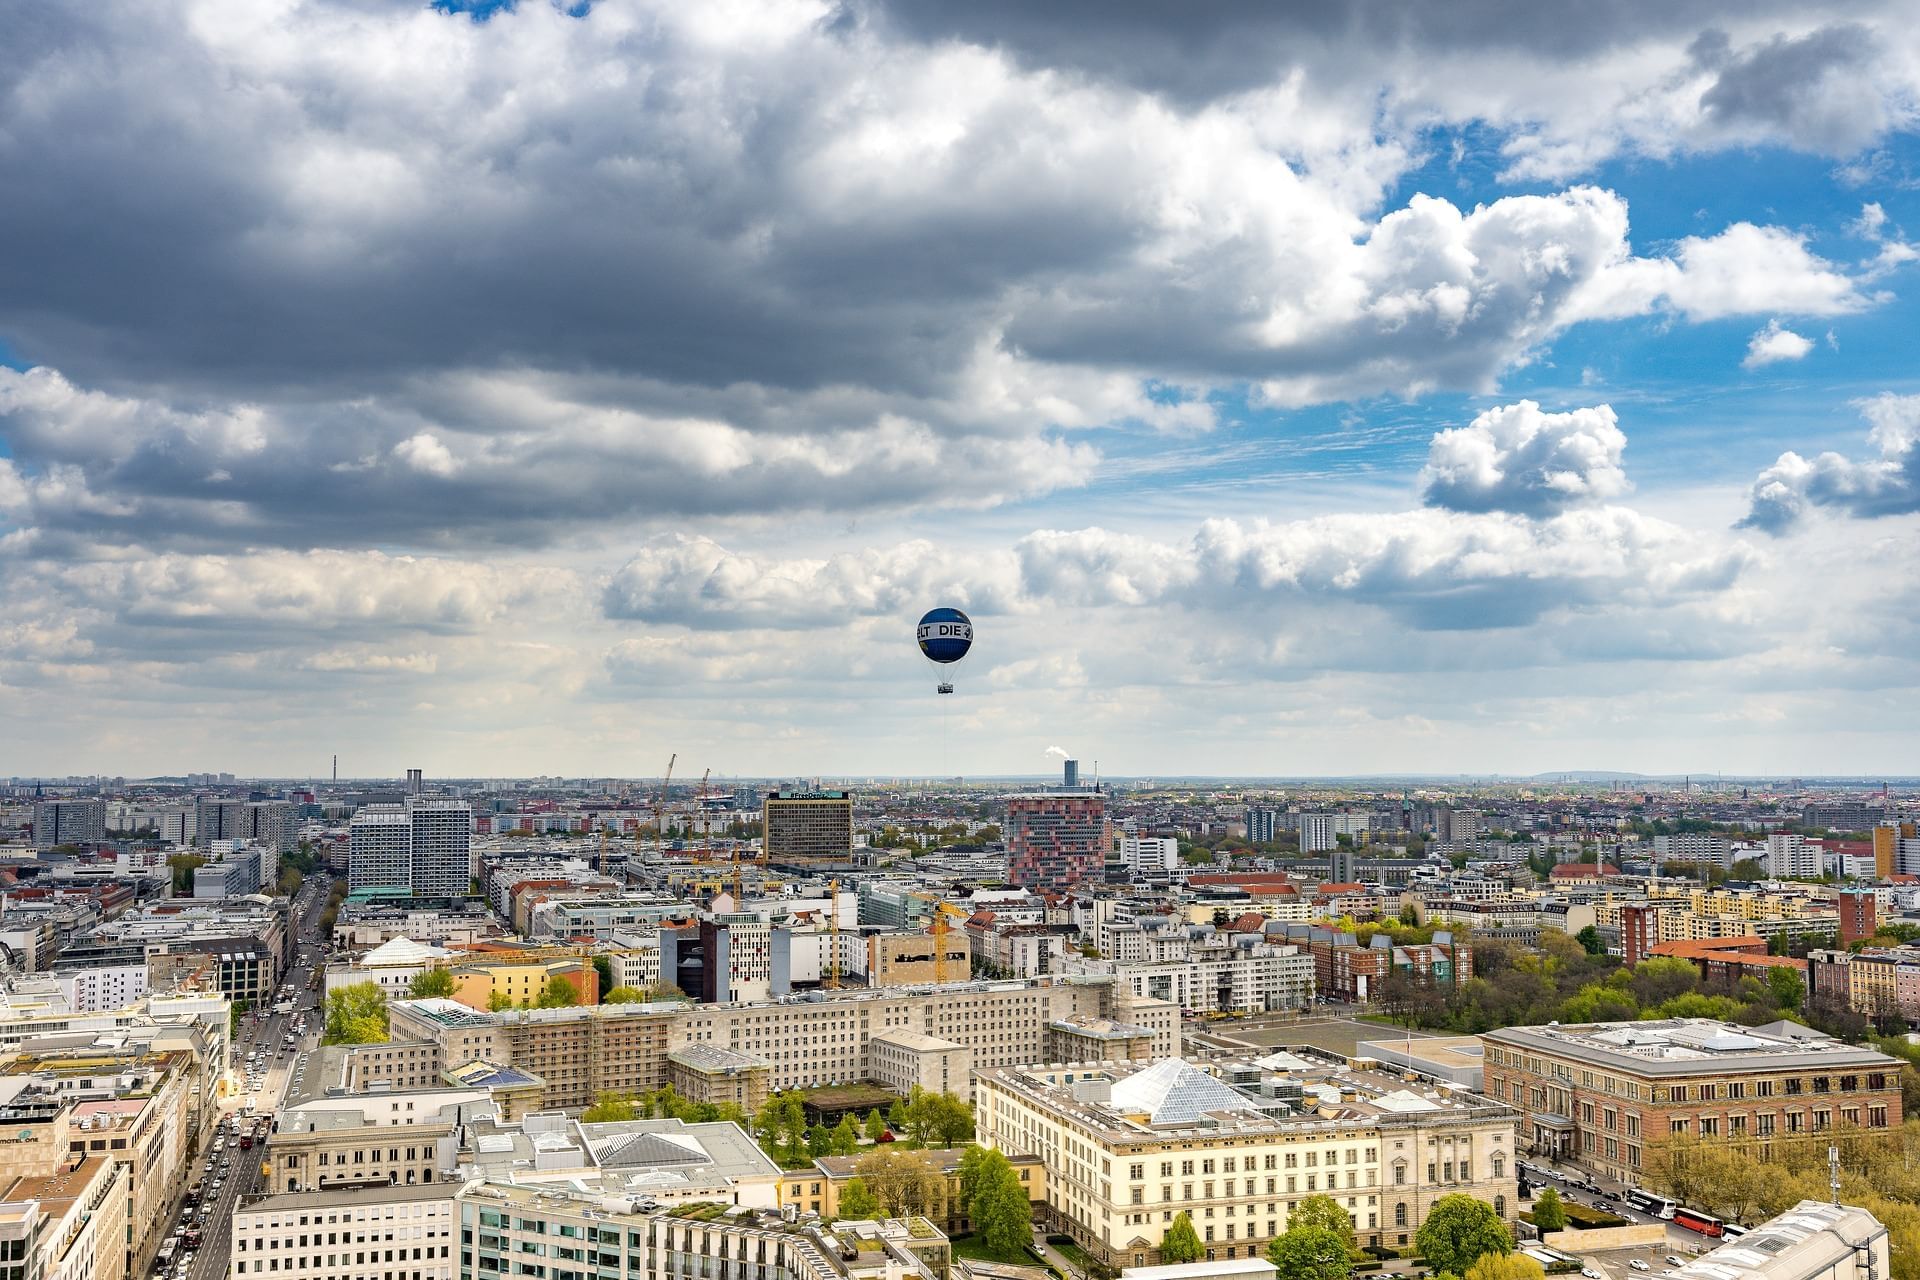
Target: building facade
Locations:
point(1599, 1095)
point(807, 826)
point(1055, 839)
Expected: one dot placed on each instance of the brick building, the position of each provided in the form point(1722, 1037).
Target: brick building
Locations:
point(1601, 1094)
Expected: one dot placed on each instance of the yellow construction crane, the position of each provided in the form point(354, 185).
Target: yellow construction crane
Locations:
point(833, 924)
point(941, 910)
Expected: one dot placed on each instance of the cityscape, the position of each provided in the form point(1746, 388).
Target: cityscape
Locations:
point(1013, 640)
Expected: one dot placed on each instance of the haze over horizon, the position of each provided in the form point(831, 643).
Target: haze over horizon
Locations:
point(545, 389)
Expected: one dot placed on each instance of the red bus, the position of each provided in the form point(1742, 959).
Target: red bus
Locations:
point(1705, 1223)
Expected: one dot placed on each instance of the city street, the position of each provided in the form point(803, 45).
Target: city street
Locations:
point(263, 1032)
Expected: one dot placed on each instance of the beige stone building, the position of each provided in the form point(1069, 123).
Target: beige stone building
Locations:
point(905, 1060)
point(67, 1223)
point(380, 1139)
point(583, 1052)
point(398, 1233)
point(1129, 1147)
point(704, 1073)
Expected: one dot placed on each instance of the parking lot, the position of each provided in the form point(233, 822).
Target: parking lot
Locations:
point(1653, 1262)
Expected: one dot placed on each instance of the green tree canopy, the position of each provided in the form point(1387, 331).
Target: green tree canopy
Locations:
point(876, 1126)
point(1324, 1212)
point(1459, 1231)
point(1310, 1253)
point(998, 1206)
point(1590, 939)
point(356, 1014)
point(623, 995)
point(1548, 1213)
point(1180, 1243)
point(857, 1201)
point(610, 1107)
point(431, 984)
point(559, 994)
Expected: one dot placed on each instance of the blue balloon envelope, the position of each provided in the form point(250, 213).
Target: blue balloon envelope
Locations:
point(945, 635)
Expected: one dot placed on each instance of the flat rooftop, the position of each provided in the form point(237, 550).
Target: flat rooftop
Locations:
point(1688, 1046)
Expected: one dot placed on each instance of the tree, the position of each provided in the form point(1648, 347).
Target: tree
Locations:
point(876, 1125)
point(819, 1141)
point(1459, 1231)
point(558, 994)
point(183, 865)
point(1506, 1266)
point(1324, 1212)
point(846, 1138)
point(431, 984)
point(904, 1182)
point(1787, 986)
point(623, 995)
point(1590, 939)
point(1548, 1213)
point(1180, 1243)
point(356, 1014)
point(498, 1001)
point(1310, 1253)
point(603, 967)
point(1747, 869)
point(1001, 1213)
point(610, 1107)
point(857, 1202)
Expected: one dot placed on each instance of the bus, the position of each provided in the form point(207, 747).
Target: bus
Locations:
point(1705, 1223)
point(168, 1247)
point(1732, 1232)
point(1647, 1202)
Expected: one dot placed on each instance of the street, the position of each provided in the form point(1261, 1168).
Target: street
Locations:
point(262, 1066)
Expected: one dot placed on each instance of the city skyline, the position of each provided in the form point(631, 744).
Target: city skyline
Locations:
point(531, 390)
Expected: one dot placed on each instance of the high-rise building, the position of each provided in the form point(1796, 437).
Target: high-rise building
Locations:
point(439, 833)
point(1639, 931)
point(420, 847)
point(1055, 839)
point(267, 822)
point(1071, 774)
point(1343, 864)
point(1859, 915)
point(1886, 847)
point(380, 848)
point(76, 822)
point(808, 825)
point(1316, 832)
point(1263, 825)
point(1842, 815)
point(1792, 855)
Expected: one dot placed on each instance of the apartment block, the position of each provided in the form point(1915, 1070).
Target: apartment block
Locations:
point(807, 826)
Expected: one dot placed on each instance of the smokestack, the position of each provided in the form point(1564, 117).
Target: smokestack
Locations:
point(414, 785)
point(1073, 773)
point(336, 768)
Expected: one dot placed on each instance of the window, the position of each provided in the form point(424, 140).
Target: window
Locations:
point(1400, 1215)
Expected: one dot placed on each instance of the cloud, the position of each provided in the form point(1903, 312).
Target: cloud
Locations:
point(1821, 91)
point(629, 268)
point(1884, 486)
point(697, 582)
point(1436, 569)
point(1774, 344)
point(1517, 458)
point(1744, 270)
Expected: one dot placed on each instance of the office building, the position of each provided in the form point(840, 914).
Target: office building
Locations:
point(393, 1232)
point(1842, 815)
point(1149, 855)
point(581, 1053)
point(808, 826)
point(69, 822)
point(1127, 1147)
point(439, 831)
point(1264, 825)
point(420, 848)
point(1055, 839)
point(380, 849)
point(271, 823)
point(64, 1224)
point(1598, 1094)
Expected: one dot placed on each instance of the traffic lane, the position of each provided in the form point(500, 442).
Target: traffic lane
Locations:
point(217, 1236)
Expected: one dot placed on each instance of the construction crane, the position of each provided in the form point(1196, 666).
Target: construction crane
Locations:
point(660, 803)
point(833, 921)
point(941, 910)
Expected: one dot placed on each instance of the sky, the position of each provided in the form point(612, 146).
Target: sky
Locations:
point(1282, 389)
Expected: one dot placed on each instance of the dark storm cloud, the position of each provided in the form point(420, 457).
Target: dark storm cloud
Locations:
point(1812, 90)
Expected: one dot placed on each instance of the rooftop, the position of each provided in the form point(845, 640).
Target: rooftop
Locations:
point(1806, 1240)
point(1686, 1046)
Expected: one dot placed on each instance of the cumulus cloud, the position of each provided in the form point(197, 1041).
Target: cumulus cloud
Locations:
point(1437, 569)
point(1884, 486)
point(635, 264)
point(1517, 458)
point(698, 582)
point(1774, 344)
